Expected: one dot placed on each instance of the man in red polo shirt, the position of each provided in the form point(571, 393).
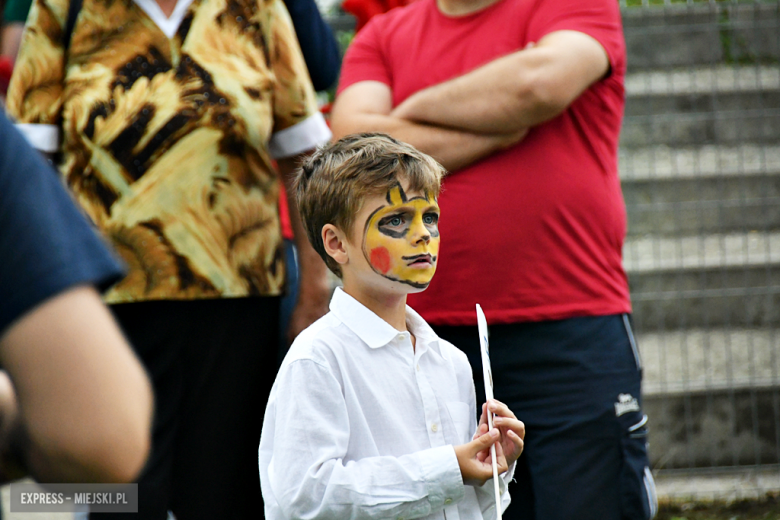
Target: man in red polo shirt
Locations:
point(522, 102)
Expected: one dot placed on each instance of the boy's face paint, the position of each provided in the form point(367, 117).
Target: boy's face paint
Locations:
point(401, 238)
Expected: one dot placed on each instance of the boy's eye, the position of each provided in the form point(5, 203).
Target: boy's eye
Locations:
point(430, 218)
point(393, 221)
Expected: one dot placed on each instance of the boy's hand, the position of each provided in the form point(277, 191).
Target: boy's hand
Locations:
point(512, 430)
point(475, 461)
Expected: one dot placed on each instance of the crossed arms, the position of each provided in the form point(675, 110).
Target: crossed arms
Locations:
point(465, 119)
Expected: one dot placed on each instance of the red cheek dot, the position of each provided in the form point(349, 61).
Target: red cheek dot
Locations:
point(380, 259)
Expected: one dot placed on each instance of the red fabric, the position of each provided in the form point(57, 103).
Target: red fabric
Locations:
point(364, 10)
point(534, 232)
point(6, 67)
point(284, 214)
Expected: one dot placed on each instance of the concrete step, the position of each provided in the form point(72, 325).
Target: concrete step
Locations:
point(649, 254)
point(692, 129)
point(689, 35)
point(667, 162)
point(720, 297)
point(696, 360)
point(704, 205)
point(712, 396)
point(703, 80)
point(724, 485)
point(709, 189)
point(735, 427)
point(759, 126)
point(702, 102)
point(704, 281)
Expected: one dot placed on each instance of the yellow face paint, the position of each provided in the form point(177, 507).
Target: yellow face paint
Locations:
point(401, 239)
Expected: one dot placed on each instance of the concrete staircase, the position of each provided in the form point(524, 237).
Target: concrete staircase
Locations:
point(700, 167)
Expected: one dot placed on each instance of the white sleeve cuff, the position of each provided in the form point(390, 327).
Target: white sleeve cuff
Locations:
point(506, 478)
point(301, 137)
point(45, 138)
point(442, 476)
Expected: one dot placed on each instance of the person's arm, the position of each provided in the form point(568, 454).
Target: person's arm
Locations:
point(309, 478)
point(314, 289)
point(84, 401)
point(298, 128)
point(34, 98)
point(11, 39)
point(366, 106)
point(517, 91)
point(485, 493)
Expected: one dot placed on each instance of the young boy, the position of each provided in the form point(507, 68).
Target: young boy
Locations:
point(371, 414)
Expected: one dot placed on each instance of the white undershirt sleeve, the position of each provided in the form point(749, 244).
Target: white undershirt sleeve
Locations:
point(304, 136)
point(45, 138)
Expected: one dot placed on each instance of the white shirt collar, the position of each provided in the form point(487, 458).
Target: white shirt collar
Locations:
point(168, 26)
point(373, 330)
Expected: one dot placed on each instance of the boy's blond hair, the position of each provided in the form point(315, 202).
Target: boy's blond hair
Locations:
point(332, 184)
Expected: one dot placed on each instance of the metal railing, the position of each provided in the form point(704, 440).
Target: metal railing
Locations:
point(700, 167)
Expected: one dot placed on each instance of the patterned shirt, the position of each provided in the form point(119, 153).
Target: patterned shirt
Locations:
point(168, 128)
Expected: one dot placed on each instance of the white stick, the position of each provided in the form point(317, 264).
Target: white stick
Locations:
point(488, 377)
point(495, 471)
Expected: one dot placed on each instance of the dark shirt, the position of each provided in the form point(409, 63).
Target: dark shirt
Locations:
point(320, 49)
point(46, 245)
point(15, 11)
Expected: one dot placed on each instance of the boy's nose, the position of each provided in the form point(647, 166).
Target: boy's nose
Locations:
point(421, 233)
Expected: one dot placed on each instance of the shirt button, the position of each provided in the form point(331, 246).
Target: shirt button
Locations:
point(448, 502)
point(418, 368)
point(434, 427)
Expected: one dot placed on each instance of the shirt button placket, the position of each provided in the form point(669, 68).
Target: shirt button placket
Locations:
point(430, 407)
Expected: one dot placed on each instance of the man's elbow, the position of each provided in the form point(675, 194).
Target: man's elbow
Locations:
point(343, 125)
point(120, 458)
point(541, 99)
point(127, 466)
point(125, 438)
point(112, 447)
point(127, 448)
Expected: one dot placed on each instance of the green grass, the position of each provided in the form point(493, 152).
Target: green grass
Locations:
point(635, 3)
point(767, 508)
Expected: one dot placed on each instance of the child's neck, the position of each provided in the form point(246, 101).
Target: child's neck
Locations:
point(391, 308)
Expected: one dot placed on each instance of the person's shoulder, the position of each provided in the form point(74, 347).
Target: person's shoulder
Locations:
point(450, 351)
point(398, 16)
point(320, 342)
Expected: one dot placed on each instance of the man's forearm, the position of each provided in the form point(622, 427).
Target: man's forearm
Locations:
point(516, 91)
point(454, 149)
point(488, 100)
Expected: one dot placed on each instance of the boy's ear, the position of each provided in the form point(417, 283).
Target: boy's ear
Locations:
point(335, 243)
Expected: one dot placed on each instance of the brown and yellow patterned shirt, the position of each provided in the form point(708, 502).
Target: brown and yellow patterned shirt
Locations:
point(167, 140)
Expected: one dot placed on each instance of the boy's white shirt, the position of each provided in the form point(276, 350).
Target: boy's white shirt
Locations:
point(360, 425)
